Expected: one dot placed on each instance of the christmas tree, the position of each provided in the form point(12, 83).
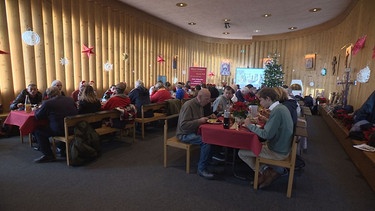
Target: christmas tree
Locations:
point(273, 74)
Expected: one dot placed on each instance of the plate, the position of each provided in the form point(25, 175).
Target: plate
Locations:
point(214, 121)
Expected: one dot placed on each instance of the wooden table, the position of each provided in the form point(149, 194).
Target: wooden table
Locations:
point(26, 122)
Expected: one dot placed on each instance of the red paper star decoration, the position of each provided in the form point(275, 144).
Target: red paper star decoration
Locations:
point(160, 59)
point(373, 53)
point(359, 45)
point(87, 50)
point(211, 74)
point(3, 52)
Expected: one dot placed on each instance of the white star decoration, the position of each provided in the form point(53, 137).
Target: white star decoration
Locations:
point(108, 66)
point(64, 61)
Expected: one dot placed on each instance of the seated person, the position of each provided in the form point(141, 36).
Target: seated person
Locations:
point(119, 100)
point(56, 83)
point(109, 93)
point(278, 132)
point(181, 93)
point(77, 92)
point(161, 94)
point(87, 101)
point(55, 110)
point(34, 95)
point(223, 102)
point(140, 96)
point(241, 94)
point(190, 118)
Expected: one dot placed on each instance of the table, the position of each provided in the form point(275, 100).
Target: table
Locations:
point(26, 122)
point(237, 139)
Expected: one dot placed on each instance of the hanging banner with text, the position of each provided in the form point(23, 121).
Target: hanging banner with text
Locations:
point(197, 75)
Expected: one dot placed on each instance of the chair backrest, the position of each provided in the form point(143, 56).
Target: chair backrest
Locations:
point(153, 107)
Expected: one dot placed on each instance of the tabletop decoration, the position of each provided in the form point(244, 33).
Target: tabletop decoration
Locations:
point(239, 111)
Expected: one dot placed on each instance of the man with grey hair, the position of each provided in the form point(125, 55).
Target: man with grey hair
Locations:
point(190, 118)
point(140, 96)
point(55, 109)
point(56, 83)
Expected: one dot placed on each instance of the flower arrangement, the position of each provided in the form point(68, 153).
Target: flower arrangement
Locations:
point(239, 109)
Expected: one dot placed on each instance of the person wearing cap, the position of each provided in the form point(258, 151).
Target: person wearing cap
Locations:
point(77, 92)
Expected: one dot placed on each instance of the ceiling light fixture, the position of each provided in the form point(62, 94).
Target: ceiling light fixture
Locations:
point(257, 30)
point(292, 28)
point(315, 9)
point(266, 15)
point(226, 33)
point(181, 4)
point(192, 23)
point(226, 20)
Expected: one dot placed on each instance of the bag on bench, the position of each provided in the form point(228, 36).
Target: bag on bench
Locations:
point(86, 144)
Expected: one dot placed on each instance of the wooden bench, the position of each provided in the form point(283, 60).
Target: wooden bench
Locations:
point(159, 110)
point(71, 121)
point(364, 161)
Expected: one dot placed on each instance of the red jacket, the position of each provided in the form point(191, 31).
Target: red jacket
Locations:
point(116, 101)
point(160, 96)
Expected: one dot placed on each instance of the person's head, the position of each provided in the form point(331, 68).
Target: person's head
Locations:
point(283, 95)
point(228, 92)
point(204, 97)
point(245, 91)
point(159, 85)
point(52, 92)
point(88, 94)
point(32, 89)
point(57, 83)
point(249, 86)
point(198, 87)
point(139, 83)
point(82, 84)
point(267, 96)
point(120, 88)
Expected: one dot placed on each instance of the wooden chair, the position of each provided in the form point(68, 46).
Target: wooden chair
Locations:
point(154, 107)
point(289, 162)
point(174, 142)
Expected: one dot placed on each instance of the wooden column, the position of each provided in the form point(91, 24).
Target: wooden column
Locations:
point(58, 42)
point(77, 44)
point(68, 46)
point(99, 46)
point(91, 39)
point(83, 28)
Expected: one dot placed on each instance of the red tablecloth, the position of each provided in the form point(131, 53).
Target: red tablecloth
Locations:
point(239, 139)
point(26, 121)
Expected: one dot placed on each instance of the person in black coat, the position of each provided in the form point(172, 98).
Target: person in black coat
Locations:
point(34, 95)
point(55, 109)
point(140, 96)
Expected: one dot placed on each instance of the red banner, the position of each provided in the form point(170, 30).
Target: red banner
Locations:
point(197, 75)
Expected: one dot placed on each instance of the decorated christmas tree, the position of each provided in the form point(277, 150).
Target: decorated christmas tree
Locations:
point(273, 74)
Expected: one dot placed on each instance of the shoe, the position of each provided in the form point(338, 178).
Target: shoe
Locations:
point(45, 159)
point(219, 157)
point(206, 174)
point(261, 179)
point(270, 176)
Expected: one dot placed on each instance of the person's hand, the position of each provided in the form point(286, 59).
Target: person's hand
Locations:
point(265, 112)
point(262, 119)
point(202, 120)
point(212, 116)
point(20, 105)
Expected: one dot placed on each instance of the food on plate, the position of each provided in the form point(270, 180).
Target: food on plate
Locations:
point(214, 121)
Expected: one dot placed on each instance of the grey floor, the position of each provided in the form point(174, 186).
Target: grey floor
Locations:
point(132, 177)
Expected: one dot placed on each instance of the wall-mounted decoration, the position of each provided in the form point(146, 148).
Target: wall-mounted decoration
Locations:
point(160, 59)
point(334, 63)
point(310, 61)
point(108, 66)
point(348, 56)
point(125, 56)
point(197, 75)
point(373, 53)
point(266, 61)
point(225, 68)
point(3, 52)
point(174, 62)
point(363, 75)
point(64, 61)
point(359, 45)
point(88, 50)
point(30, 38)
point(323, 71)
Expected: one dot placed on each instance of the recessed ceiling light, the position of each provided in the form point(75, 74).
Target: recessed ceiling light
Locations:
point(181, 4)
point(192, 23)
point(257, 30)
point(266, 15)
point(315, 9)
point(226, 20)
point(292, 28)
point(226, 33)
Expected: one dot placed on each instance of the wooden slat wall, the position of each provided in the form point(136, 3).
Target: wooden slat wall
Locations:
point(115, 29)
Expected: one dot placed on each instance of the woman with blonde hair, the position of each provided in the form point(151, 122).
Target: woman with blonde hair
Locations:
point(290, 103)
point(88, 101)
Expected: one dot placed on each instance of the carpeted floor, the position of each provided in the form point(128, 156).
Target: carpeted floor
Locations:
point(132, 177)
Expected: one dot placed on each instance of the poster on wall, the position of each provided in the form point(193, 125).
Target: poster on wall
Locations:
point(197, 75)
point(253, 76)
point(225, 69)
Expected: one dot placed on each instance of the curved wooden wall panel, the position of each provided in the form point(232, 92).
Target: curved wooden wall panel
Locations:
point(132, 40)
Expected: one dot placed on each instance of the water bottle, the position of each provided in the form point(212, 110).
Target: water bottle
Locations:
point(27, 104)
point(226, 119)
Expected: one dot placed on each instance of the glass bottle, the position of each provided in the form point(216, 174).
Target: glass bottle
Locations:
point(27, 104)
point(226, 119)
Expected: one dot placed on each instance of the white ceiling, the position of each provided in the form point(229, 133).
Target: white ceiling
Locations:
point(245, 15)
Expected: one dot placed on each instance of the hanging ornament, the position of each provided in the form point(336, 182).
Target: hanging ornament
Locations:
point(211, 74)
point(125, 56)
point(3, 52)
point(30, 38)
point(363, 75)
point(323, 72)
point(64, 61)
point(87, 50)
point(373, 53)
point(108, 66)
point(160, 59)
point(359, 45)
